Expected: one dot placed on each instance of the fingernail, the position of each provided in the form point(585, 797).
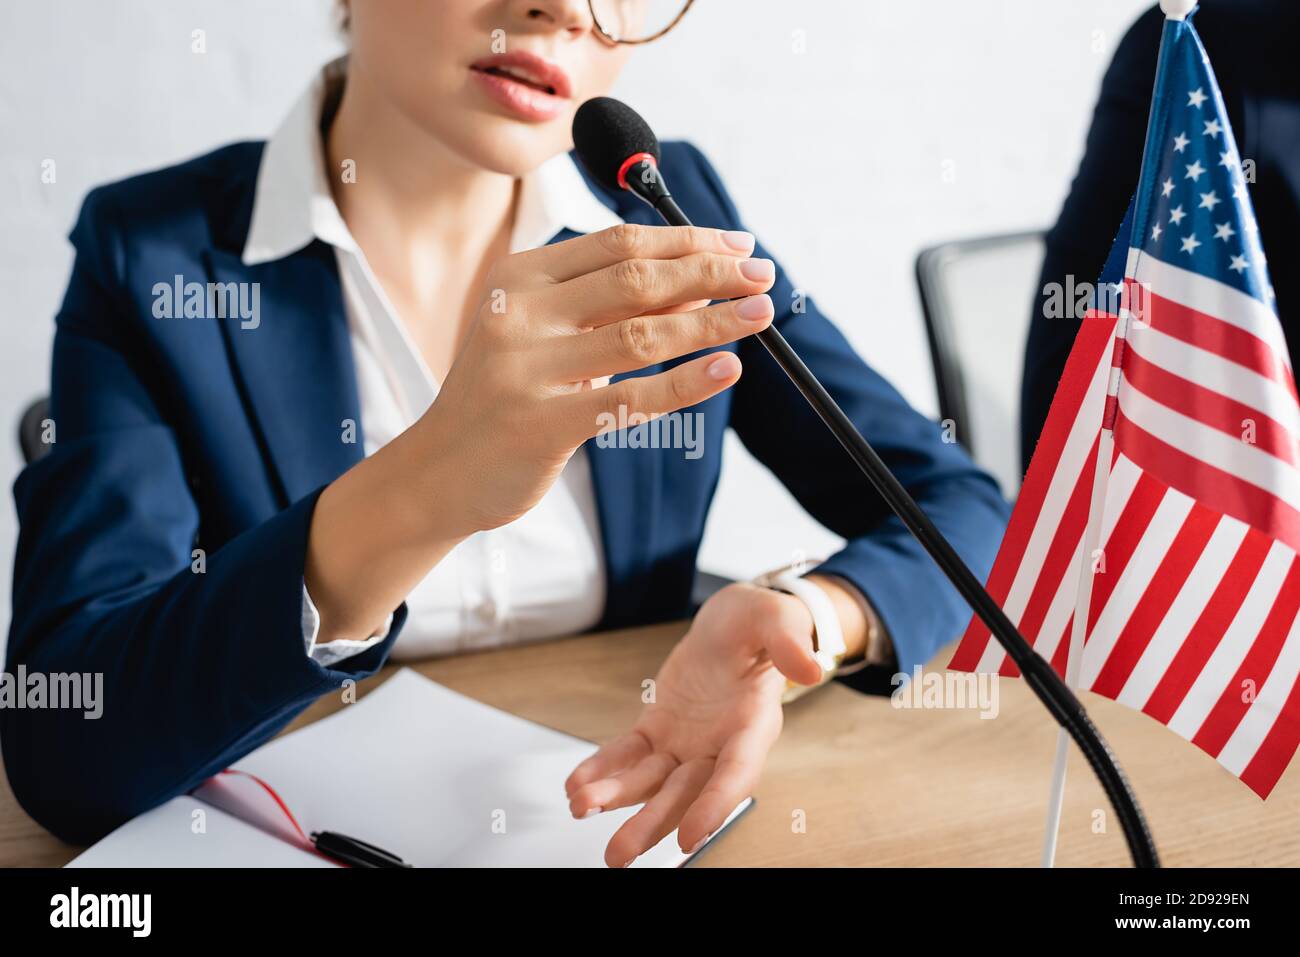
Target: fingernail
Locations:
point(739, 240)
point(696, 849)
point(591, 812)
point(757, 270)
point(627, 863)
point(723, 367)
point(755, 307)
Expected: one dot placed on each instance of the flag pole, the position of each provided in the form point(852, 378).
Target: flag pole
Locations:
point(1083, 594)
point(1173, 10)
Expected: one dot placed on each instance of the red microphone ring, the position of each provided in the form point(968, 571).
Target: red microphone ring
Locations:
point(632, 161)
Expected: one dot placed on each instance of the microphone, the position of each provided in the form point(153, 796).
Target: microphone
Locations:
point(621, 151)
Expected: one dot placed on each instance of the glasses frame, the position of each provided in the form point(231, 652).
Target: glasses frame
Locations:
point(610, 38)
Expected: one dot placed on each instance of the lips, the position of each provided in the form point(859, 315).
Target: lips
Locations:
point(528, 85)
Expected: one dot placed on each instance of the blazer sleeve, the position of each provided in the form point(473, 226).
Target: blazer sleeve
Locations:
point(1078, 244)
point(197, 669)
point(916, 604)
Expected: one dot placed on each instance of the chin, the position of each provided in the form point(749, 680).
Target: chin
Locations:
point(507, 146)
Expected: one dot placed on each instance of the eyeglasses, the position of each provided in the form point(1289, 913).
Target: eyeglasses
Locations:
point(636, 21)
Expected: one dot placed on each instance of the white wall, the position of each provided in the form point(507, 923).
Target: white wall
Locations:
point(780, 94)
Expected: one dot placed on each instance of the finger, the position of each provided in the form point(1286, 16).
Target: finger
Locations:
point(636, 287)
point(735, 775)
point(615, 756)
point(683, 307)
point(656, 820)
point(627, 787)
point(784, 627)
point(647, 340)
point(631, 401)
point(561, 262)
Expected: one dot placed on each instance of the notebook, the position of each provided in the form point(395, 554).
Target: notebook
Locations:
point(415, 768)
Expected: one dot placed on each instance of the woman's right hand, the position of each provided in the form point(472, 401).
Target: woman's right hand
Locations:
point(519, 399)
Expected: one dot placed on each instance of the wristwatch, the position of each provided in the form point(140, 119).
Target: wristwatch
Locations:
point(828, 637)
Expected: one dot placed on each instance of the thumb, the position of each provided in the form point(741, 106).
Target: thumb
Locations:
point(787, 635)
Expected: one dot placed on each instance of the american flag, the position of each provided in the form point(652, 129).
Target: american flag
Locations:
point(1180, 382)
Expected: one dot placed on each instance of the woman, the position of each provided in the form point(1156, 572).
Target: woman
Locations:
point(328, 399)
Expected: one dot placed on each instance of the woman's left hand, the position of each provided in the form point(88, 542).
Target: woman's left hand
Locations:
point(698, 748)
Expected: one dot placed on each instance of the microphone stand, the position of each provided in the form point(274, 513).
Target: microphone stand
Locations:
point(643, 179)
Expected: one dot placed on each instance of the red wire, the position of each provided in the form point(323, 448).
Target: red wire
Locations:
point(275, 797)
point(285, 808)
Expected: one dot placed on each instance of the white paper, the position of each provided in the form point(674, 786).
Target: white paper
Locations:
point(185, 832)
point(417, 769)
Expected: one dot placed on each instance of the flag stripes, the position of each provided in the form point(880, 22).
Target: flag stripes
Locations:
point(1154, 603)
point(1069, 435)
point(1263, 743)
point(1193, 598)
point(1192, 595)
point(1222, 339)
point(1205, 480)
point(1192, 604)
point(1211, 408)
point(1207, 301)
point(1255, 667)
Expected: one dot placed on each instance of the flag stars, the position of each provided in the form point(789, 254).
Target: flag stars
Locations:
point(1214, 176)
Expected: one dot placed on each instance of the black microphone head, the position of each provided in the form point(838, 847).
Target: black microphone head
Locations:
point(606, 132)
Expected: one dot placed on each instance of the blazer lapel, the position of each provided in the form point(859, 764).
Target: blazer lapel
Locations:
point(295, 365)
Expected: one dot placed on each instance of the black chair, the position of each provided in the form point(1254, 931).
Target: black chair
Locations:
point(30, 429)
point(977, 296)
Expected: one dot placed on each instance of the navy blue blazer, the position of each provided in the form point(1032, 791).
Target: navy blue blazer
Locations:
point(177, 432)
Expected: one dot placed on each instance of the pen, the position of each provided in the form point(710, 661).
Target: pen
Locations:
point(354, 852)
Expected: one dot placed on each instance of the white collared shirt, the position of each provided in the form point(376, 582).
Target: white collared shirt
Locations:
point(540, 576)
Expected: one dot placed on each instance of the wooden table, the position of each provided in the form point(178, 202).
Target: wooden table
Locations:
point(854, 781)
